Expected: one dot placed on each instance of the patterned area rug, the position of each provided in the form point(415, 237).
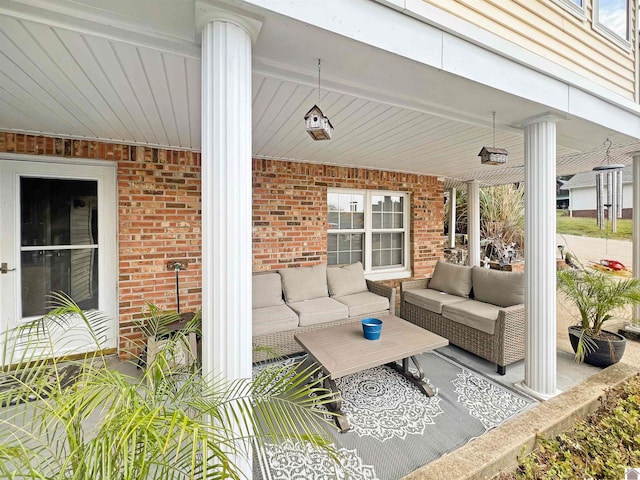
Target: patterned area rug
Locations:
point(395, 428)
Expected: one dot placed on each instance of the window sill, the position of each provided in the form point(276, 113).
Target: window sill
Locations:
point(388, 274)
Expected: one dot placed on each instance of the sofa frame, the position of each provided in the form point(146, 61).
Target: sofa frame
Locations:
point(282, 343)
point(504, 347)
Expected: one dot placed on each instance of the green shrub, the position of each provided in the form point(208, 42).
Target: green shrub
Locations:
point(600, 446)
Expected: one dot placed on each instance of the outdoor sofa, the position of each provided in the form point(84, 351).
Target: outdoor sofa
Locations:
point(477, 309)
point(303, 299)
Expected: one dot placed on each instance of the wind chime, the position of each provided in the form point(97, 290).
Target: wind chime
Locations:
point(608, 190)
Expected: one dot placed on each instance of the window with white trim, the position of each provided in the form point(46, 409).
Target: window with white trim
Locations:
point(368, 226)
point(575, 7)
point(612, 18)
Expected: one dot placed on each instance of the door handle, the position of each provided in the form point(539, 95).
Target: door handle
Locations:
point(4, 269)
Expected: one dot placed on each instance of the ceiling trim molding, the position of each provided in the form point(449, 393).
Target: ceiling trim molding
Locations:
point(268, 68)
point(109, 27)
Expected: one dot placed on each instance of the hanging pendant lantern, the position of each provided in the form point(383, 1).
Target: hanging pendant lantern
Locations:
point(493, 155)
point(608, 176)
point(317, 123)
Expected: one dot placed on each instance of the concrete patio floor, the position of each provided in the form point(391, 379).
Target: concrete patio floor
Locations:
point(581, 386)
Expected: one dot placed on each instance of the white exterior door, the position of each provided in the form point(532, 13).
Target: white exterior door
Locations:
point(58, 233)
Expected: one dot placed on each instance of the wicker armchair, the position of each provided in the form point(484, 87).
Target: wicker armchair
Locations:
point(504, 347)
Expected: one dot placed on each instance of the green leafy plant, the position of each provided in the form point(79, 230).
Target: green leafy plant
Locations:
point(84, 419)
point(597, 296)
point(599, 446)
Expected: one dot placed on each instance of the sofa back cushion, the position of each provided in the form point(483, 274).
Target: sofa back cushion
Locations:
point(346, 280)
point(497, 287)
point(267, 290)
point(451, 279)
point(304, 283)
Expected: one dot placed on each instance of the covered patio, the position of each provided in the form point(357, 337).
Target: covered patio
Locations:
point(197, 108)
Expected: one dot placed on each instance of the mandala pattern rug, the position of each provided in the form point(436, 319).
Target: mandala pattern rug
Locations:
point(395, 428)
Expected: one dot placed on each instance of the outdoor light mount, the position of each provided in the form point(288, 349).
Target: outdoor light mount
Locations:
point(177, 265)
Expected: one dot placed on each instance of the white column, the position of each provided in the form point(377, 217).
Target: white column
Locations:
point(452, 218)
point(636, 227)
point(473, 222)
point(540, 257)
point(226, 191)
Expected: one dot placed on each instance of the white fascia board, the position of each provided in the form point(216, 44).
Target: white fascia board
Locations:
point(452, 44)
point(479, 36)
point(480, 65)
point(600, 111)
point(367, 22)
point(79, 18)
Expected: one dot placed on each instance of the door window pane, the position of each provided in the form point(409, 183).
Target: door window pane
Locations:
point(74, 272)
point(58, 212)
point(58, 237)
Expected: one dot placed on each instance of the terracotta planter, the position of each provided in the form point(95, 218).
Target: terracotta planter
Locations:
point(608, 351)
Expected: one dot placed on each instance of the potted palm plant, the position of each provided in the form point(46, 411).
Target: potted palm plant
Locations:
point(598, 296)
point(85, 419)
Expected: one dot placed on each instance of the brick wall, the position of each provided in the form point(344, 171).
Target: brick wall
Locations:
point(627, 213)
point(290, 212)
point(159, 216)
point(158, 219)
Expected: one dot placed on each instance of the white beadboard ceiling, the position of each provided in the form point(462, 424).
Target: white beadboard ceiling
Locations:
point(60, 81)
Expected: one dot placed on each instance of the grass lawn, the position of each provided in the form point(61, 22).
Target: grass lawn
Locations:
point(587, 227)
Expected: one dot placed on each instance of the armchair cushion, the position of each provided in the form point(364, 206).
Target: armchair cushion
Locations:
point(479, 315)
point(497, 287)
point(304, 283)
point(432, 300)
point(268, 320)
point(452, 279)
point(363, 303)
point(346, 279)
point(319, 310)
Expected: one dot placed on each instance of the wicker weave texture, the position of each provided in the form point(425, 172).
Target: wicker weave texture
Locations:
point(504, 347)
point(283, 343)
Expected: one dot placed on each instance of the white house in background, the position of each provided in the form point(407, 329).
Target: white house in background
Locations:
point(582, 194)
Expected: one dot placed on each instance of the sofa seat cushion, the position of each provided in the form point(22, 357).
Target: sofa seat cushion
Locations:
point(479, 315)
point(304, 283)
point(363, 303)
point(319, 310)
point(267, 320)
point(451, 279)
point(497, 287)
point(267, 290)
point(429, 299)
point(346, 279)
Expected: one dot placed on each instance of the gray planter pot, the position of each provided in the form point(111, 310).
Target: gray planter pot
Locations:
point(607, 352)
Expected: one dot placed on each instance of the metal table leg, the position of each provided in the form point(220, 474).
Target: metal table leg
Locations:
point(417, 380)
point(335, 406)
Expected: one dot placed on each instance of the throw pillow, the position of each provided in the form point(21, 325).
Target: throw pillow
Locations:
point(451, 279)
point(346, 279)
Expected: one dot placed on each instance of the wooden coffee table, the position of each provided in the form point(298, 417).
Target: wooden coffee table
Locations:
point(343, 350)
